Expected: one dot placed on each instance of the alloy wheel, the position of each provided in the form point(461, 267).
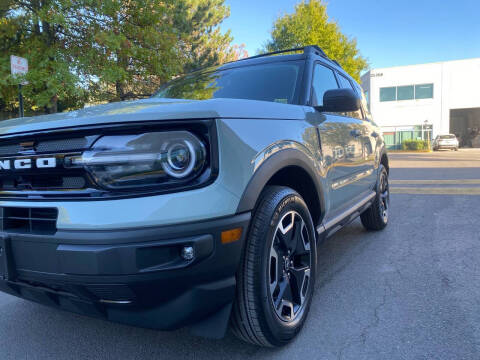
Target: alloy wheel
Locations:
point(289, 266)
point(384, 196)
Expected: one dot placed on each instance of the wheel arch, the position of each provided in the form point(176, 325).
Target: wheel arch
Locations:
point(292, 168)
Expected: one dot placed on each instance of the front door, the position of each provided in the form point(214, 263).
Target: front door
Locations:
point(341, 138)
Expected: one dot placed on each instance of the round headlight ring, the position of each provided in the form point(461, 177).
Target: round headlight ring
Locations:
point(174, 170)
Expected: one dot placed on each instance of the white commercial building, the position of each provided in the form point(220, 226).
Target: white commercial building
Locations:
point(425, 100)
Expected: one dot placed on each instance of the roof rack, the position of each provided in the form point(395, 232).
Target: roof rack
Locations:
point(306, 49)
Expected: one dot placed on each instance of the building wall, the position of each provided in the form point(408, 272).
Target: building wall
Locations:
point(456, 86)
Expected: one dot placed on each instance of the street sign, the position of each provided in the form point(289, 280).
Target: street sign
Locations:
point(18, 65)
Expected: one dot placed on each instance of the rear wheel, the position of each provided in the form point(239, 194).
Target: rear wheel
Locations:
point(376, 216)
point(276, 277)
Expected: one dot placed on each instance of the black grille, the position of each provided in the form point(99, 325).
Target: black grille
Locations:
point(21, 182)
point(29, 220)
point(61, 145)
point(46, 146)
point(10, 149)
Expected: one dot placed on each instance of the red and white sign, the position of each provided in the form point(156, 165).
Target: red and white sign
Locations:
point(18, 65)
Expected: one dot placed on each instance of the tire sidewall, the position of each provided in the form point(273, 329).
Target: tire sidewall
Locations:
point(281, 329)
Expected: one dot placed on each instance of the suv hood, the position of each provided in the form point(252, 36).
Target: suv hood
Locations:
point(155, 109)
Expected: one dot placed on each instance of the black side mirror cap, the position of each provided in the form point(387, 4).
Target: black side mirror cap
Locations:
point(340, 100)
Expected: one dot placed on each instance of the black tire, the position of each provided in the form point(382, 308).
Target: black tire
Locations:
point(456, 149)
point(376, 216)
point(254, 317)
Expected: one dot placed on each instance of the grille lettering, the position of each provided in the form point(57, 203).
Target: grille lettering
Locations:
point(27, 163)
point(4, 164)
point(22, 164)
point(46, 163)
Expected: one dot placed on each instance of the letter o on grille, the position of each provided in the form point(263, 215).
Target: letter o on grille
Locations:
point(46, 163)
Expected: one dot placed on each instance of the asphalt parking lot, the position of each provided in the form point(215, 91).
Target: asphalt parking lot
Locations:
point(409, 292)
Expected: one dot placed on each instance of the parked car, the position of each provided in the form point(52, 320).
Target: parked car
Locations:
point(201, 206)
point(449, 141)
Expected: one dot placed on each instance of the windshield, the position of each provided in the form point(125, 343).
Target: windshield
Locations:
point(275, 82)
point(444, 137)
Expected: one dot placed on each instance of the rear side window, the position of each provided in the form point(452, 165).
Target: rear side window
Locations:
point(344, 83)
point(323, 80)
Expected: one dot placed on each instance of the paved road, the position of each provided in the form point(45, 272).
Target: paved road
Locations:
point(409, 292)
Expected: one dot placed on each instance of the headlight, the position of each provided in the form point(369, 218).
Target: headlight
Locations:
point(124, 161)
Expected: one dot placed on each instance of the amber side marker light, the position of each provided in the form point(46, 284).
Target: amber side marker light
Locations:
point(230, 236)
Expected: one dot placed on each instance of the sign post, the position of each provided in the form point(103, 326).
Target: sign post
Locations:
point(19, 65)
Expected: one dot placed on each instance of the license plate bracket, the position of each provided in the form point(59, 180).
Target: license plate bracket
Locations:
point(7, 270)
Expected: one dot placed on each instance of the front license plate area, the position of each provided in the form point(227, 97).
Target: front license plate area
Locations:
point(6, 265)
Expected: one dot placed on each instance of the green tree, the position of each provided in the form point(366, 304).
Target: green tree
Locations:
point(140, 44)
point(106, 50)
point(310, 25)
point(32, 29)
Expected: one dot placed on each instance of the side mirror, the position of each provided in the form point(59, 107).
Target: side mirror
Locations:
point(340, 100)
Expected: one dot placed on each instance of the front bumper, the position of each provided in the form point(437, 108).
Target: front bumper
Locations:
point(132, 276)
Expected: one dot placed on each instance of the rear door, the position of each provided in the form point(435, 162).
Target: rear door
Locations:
point(342, 153)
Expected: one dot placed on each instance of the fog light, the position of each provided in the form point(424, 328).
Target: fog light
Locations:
point(188, 253)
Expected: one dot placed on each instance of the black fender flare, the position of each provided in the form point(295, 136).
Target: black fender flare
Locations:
point(270, 166)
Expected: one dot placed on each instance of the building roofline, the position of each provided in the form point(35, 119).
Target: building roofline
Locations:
point(421, 64)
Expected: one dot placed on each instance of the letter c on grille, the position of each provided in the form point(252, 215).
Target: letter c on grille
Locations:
point(22, 164)
point(46, 163)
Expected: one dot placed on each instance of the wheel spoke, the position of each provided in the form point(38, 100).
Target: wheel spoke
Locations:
point(303, 241)
point(286, 234)
point(299, 276)
point(285, 292)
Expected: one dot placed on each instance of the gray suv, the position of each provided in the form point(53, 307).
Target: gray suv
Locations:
point(201, 206)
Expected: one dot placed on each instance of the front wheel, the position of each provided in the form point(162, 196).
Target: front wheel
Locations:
point(276, 277)
point(376, 216)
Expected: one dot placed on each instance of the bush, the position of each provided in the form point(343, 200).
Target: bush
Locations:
point(415, 145)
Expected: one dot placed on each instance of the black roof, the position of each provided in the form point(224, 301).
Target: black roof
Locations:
point(306, 52)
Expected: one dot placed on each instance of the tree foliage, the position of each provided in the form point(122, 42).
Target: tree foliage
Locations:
point(106, 50)
point(310, 25)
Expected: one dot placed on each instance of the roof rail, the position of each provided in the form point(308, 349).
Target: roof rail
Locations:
point(305, 49)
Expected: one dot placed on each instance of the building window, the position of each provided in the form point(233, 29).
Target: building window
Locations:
point(388, 94)
point(424, 91)
point(405, 92)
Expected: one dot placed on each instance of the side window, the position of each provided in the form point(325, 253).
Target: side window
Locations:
point(344, 83)
point(323, 80)
point(365, 103)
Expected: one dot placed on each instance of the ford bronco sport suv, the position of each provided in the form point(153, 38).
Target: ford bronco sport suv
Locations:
point(201, 206)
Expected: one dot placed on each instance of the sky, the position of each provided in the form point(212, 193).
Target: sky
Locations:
point(388, 32)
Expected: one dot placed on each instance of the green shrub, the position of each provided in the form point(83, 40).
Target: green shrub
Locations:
point(415, 145)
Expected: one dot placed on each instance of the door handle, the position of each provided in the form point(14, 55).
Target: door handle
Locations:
point(355, 133)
